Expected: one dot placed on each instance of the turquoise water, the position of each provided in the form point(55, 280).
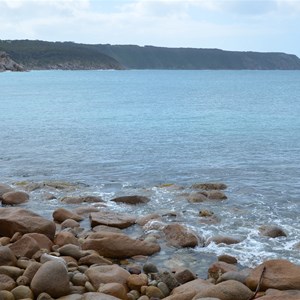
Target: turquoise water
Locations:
point(129, 131)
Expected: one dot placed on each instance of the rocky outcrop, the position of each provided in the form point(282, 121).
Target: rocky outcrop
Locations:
point(7, 64)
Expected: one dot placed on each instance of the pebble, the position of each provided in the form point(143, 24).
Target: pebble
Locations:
point(150, 268)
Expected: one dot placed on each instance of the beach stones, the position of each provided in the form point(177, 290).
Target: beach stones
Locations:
point(7, 257)
point(13, 219)
point(6, 283)
point(110, 218)
point(26, 246)
point(133, 200)
point(51, 278)
point(279, 274)
point(114, 245)
point(14, 198)
point(179, 236)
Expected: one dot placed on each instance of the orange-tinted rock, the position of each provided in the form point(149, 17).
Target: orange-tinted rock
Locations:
point(114, 245)
point(24, 247)
point(62, 214)
point(64, 238)
point(14, 198)
point(13, 219)
point(218, 268)
point(113, 219)
point(115, 289)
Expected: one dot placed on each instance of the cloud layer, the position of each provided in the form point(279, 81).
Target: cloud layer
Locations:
point(264, 25)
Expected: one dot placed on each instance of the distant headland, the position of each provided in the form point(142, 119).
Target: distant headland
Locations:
point(18, 55)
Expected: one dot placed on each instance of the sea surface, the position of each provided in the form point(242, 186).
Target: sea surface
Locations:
point(156, 133)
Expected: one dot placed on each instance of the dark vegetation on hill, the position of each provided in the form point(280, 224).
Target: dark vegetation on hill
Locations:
point(71, 56)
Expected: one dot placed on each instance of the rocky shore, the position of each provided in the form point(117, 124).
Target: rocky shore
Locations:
point(62, 259)
point(7, 64)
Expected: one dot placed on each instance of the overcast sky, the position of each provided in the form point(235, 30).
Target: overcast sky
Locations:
point(255, 25)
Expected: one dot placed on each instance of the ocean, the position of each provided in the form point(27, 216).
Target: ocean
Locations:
point(156, 133)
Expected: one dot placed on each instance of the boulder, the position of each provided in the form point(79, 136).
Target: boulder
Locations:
point(113, 219)
point(42, 240)
point(22, 292)
point(14, 198)
point(13, 219)
point(133, 200)
point(272, 231)
point(114, 245)
point(64, 238)
point(279, 274)
point(51, 278)
point(7, 257)
point(179, 236)
point(220, 239)
point(71, 250)
point(26, 246)
point(13, 272)
point(106, 274)
point(227, 258)
point(81, 199)
point(227, 290)
point(210, 186)
point(69, 223)
point(272, 294)
point(188, 290)
point(93, 258)
point(62, 214)
point(184, 276)
point(4, 188)
point(197, 197)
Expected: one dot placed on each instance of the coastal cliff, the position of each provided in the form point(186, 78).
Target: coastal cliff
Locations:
point(7, 64)
point(41, 55)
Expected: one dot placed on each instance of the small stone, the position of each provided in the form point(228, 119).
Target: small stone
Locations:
point(150, 268)
point(22, 292)
point(135, 282)
point(6, 295)
point(154, 292)
point(114, 289)
point(11, 271)
point(89, 287)
point(184, 275)
point(227, 258)
point(79, 279)
point(164, 288)
point(6, 283)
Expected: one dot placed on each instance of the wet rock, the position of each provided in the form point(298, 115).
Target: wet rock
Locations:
point(206, 213)
point(184, 276)
point(143, 220)
point(272, 231)
point(227, 258)
point(85, 210)
point(133, 200)
point(6, 283)
point(179, 236)
point(104, 228)
point(218, 268)
point(114, 245)
point(279, 274)
point(109, 218)
point(5, 188)
point(234, 275)
point(220, 239)
point(13, 219)
point(7, 257)
point(197, 197)
point(114, 289)
point(14, 198)
point(150, 268)
point(168, 278)
point(210, 186)
point(106, 274)
point(69, 223)
point(228, 290)
point(51, 278)
point(62, 214)
point(81, 199)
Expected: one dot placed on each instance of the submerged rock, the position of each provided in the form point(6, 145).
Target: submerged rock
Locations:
point(131, 199)
point(272, 231)
point(210, 186)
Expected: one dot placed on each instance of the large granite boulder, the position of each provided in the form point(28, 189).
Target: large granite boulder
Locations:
point(115, 245)
point(13, 219)
point(278, 274)
point(109, 218)
point(62, 214)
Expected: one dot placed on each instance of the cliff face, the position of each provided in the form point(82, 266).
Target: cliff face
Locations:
point(7, 64)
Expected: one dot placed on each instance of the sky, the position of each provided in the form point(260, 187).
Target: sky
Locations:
point(241, 25)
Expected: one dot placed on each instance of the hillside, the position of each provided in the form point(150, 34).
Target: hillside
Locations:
point(149, 57)
point(36, 55)
point(40, 55)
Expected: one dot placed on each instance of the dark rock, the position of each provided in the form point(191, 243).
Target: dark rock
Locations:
point(7, 64)
point(272, 231)
point(210, 186)
point(227, 258)
point(131, 199)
